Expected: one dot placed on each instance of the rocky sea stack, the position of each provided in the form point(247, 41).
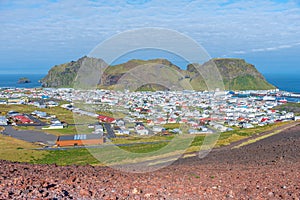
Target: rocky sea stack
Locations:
point(24, 80)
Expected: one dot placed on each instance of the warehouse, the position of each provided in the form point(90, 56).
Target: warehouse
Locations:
point(79, 140)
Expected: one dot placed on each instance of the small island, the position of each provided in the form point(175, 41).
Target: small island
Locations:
point(23, 80)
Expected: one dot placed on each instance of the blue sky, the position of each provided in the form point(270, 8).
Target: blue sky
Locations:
point(35, 35)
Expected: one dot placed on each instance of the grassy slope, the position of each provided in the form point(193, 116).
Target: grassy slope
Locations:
point(290, 107)
point(17, 150)
point(61, 113)
point(146, 151)
point(237, 75)
point(247, 82)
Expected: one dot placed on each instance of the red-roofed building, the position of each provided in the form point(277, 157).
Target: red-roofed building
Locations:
point(22, 119)
point(106, 119)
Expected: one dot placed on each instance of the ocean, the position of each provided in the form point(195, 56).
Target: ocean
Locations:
point(11, 80)
point(286, 82)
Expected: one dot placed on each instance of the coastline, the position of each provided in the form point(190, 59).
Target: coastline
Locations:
point(285, 82)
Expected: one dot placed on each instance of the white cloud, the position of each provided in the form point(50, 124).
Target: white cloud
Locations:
point(222, 27)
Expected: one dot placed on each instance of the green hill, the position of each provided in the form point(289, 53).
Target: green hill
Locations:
point(235, 74)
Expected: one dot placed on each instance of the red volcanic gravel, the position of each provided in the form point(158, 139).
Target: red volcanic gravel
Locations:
point(268, 169)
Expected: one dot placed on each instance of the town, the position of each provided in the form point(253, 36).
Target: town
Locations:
point(109, 114)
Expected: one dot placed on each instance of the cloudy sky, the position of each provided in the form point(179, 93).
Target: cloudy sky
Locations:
point(35, 35)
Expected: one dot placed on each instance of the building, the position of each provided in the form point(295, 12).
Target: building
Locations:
point(106, 119)
point(22, 119)
point(79, 140)
point(15, 101)
point(99, 129)
point(158, 129)
point(54, 126)
point(3, 121)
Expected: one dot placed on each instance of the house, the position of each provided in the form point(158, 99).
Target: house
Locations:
point(247, 125)
point(296, 118)
point(55, 121)
point(54, 126)
point(40, 114)
point(218, 126)
point(176, 131)
point(194, 131)
point(150, 122)
point(172, 121)
point(79, 140)
point(122, 132)
point(15, 101)
point(98, 129)
point(3, 121)
point(12, 113)
point(141, 130)
point(158, 129)
point(67, 106)
point(22, 119)
point(120, 123)
point(51, 104)
point(3, 102)
point(106, 119)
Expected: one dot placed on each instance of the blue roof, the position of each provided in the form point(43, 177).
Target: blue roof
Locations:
point(79, 137)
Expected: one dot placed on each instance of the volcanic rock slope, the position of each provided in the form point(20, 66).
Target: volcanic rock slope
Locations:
point(267, 169)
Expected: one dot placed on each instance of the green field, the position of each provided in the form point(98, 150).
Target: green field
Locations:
point(61, 113)
point(17, 150)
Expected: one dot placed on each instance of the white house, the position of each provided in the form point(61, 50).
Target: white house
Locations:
point(296, 118)
point(157, 129)
point(3, 121)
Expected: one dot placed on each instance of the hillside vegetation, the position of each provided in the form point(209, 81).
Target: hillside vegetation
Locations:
point(159, 74)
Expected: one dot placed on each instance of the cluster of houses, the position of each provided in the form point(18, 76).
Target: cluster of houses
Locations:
point(146, 113)
point(202, 112)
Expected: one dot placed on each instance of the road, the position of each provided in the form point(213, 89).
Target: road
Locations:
point(109, 130)
point(30, 135)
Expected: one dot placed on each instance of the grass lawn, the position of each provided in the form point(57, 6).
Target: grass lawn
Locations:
point(18, 150)
point(68, 157)
point(132, 139)
point(110, 154)
point(171, 126)
point(24, 128)
point(231, 136)
point(19, 108)
point(61, 113)
point(13, 149)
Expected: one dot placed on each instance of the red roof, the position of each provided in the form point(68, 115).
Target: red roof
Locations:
point(23, 119)
point(107, 119)
point(208, 119)
point(264, 119)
